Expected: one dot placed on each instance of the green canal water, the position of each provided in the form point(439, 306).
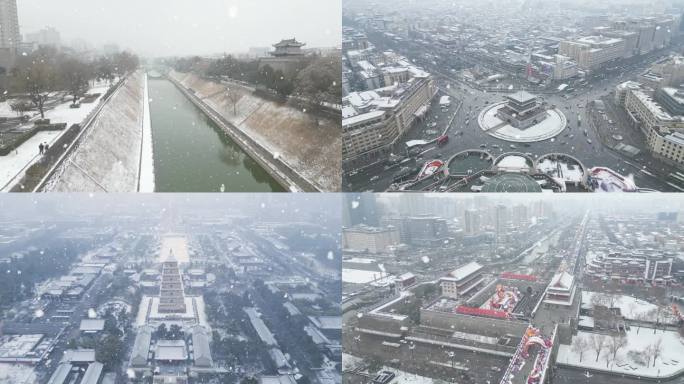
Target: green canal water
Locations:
point(192, 154)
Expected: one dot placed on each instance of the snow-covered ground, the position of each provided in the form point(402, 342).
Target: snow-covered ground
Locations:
point(553, 125)
point(632, 308)
point(6, 110)
point(358, 276)
point(571, 173)
point(17, 374)
point(631, 359)
point(26, 154)
point(610, 181)
point(15, 163)
point(109, 153)
point(513, 162)
point(147, 161)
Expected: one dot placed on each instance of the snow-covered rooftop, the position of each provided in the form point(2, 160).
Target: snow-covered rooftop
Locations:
point(562, 280)
point(465, 271)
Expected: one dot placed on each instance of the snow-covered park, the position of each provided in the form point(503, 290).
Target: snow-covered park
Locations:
point(641, 347)
point(631, 308)
point(27, 153)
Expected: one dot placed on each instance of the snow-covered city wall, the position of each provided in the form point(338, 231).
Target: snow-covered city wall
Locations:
point(310, 145)
point(108, 155)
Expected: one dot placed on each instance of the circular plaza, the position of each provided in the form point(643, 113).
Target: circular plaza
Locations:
point(522, 118)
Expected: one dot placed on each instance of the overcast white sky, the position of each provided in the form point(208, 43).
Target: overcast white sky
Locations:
point(180, 27)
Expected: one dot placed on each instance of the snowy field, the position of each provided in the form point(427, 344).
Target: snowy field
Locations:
point(633, 309)
point(553, 125)
point(632, 359)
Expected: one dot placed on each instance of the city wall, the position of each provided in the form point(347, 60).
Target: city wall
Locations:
point(471, 324)
point(107, 156)
point(305, 148)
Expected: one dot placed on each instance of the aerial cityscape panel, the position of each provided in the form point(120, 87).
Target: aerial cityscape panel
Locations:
point(179, 289)
point(494, 288)
point(170, 96)
point(512, 96)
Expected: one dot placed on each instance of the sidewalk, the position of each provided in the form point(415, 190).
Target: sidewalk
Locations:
point(13, 166)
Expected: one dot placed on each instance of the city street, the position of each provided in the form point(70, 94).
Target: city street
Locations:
point(578, 139)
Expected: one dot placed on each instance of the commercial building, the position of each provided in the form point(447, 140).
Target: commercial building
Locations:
point(645, 34)
point(461, 280)
point(373, 120)
point(564, 68)
point(662, 128)
point(370, 239)
point(46, 37)
point(10, 38)
point(9, 24)
point(472, 222)
point(423, 230)
point(621, 91)
point(634, 267)
point(592, 52)
point(665, 73)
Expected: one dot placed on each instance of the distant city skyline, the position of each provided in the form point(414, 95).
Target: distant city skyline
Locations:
point(150, 29)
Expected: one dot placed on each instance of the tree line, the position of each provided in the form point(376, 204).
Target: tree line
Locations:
point(35, 75)
point(317, 79)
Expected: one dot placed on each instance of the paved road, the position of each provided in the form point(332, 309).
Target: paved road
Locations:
point(465, 132)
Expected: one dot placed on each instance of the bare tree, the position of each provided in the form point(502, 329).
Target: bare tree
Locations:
point(580, 346)
point(37, 76)
point(640, 317)
point(76, 75)
point(598, 342)
point(234, 97)
point(616, 342)
point(656, 349)
point(21, 107)
point(608, 359)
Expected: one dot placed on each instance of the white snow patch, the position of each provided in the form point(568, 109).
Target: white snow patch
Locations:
point(669, 363)
point(146, 183)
